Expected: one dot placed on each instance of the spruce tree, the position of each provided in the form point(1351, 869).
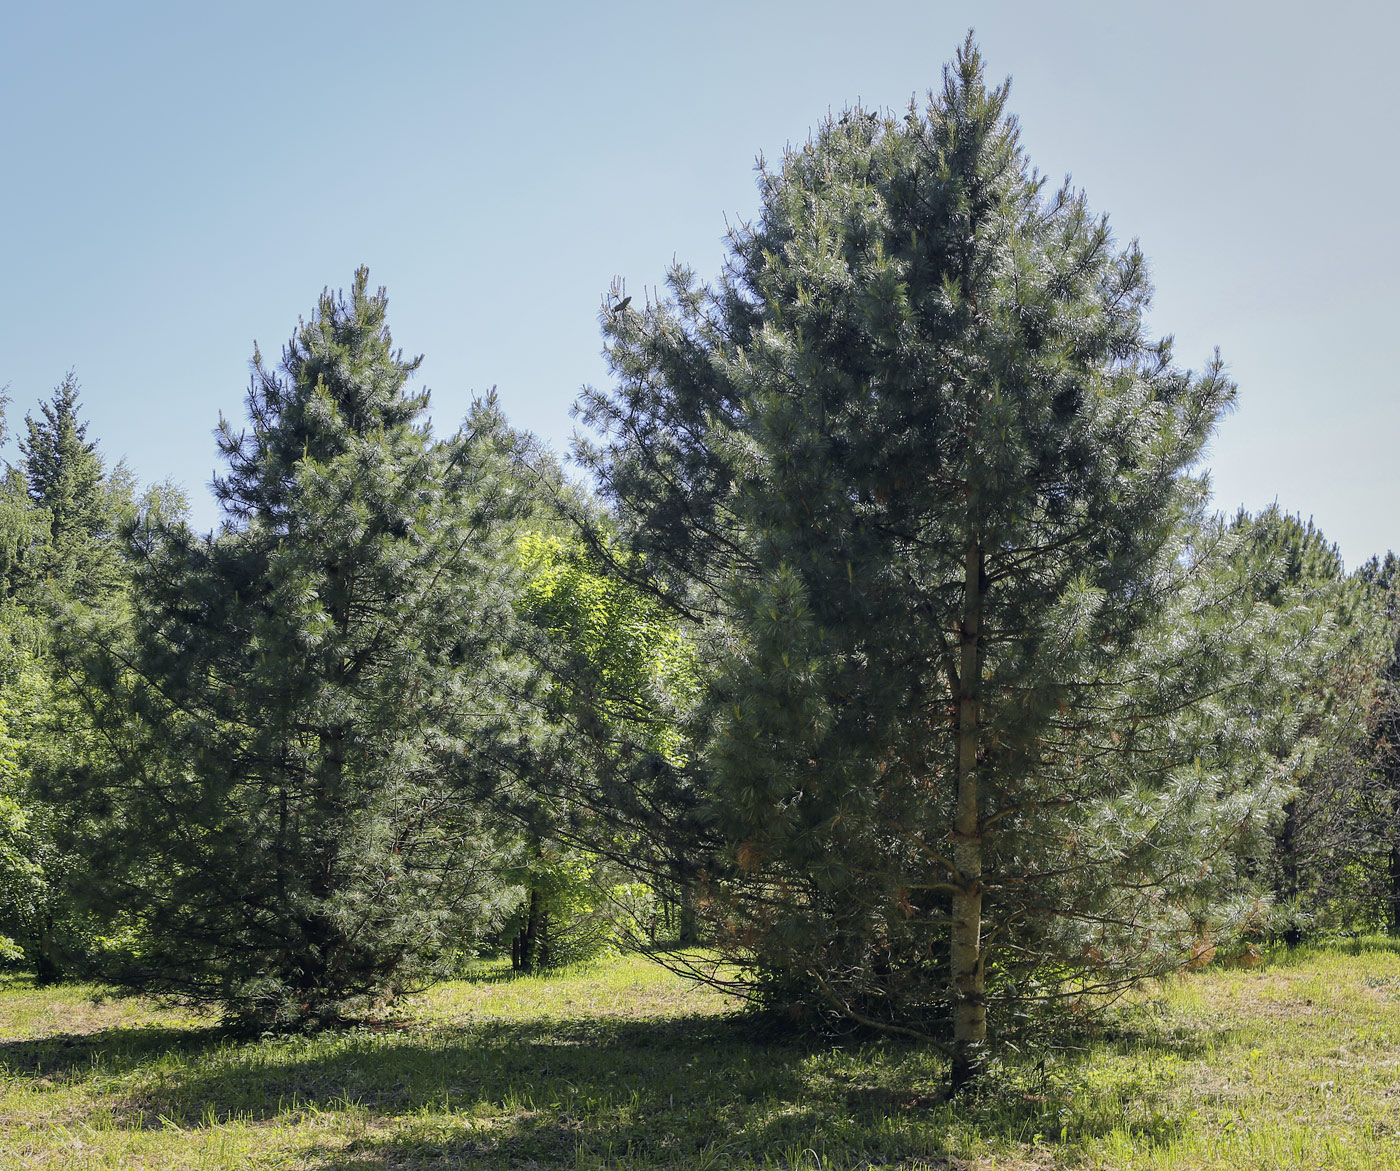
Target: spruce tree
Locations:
point(58, 520)
point(923, 483)
point(65, 477)
point(279, 815)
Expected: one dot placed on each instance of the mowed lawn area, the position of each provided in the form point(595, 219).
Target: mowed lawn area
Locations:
point(621, 1064)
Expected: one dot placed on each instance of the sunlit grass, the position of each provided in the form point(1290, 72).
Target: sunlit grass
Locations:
point(622, 1064)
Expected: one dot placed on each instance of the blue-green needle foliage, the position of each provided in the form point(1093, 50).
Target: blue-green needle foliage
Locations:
point(1321, 869)
point(921, 478)
point(1380, 805)
point(295, 709)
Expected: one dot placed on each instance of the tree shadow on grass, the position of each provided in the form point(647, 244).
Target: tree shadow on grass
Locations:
point(488, 1066)
point(685, 1090)
point(115, 1050)
point(679, 1091)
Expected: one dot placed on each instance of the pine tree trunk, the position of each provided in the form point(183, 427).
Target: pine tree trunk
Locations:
point(969, 980)
point(527, 942)
point(544, 946)
point(1287, 892)
point(47, 969)
point(689, 925)
point(1394, 892)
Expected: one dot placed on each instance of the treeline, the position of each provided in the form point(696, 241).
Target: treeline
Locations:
point(892, 653)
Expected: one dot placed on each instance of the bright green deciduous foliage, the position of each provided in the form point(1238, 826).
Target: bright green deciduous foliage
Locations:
point(640, 668)
point(920, 470)
point(292, 714)
point(566, 913)
point(621, 678)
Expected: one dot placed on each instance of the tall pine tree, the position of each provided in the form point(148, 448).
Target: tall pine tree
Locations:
point(921, 477)
point(275, 817)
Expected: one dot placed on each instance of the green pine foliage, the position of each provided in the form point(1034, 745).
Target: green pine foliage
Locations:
point(925, 481)
point(1334, 637)
point(1373, 855)
point(21, 875)
point(297, 705)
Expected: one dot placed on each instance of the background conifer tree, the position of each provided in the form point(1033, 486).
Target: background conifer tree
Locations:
point(66, 481)
point(922, 479)
point(1336, 623)
point(1378, 859)
point(60, 516)
point(272, 814)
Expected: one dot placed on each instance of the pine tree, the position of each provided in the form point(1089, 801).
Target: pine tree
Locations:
point(1333, 619)
point(923, 482)
point(290, 720)
point(1379, 788)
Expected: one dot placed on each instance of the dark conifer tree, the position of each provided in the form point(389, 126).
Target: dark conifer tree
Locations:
point(922, 480)
point(272, 814)
point(59, 516)
point(65, 477)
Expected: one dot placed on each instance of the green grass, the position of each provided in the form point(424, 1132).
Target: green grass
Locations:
point(622, 1064)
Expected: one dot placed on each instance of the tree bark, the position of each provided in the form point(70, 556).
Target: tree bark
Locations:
point(47, 969)
point(1394, 892)
point(525, 948)
point(1287, 892)
point(689, 934)
point(968, 972)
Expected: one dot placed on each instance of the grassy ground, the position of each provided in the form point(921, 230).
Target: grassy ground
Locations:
point(1296, 1064)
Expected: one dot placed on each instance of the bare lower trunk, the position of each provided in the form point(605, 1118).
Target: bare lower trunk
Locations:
point(529, 948)
point(47, 969)
point(1288, 884)
point(1394, 875)
point(968, 973)
point(690, 923)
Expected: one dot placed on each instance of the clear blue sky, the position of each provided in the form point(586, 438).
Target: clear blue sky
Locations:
point(180, 179)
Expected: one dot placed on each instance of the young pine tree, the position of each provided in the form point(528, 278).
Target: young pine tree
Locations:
point(924, 481)
point(274, 816)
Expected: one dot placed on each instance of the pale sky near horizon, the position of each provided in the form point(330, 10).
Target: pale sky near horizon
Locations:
point(182, 179)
